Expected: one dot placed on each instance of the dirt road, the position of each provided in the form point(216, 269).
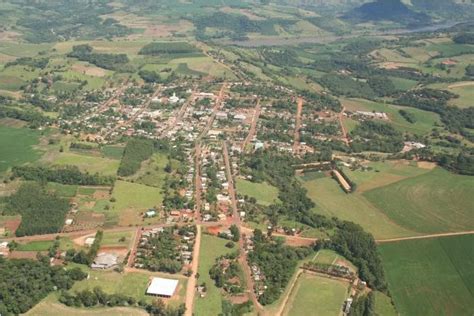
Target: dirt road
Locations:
point(253, 126)
point(217, 107)
point(197, 181)
point(343, 128)
point(191, 287)
point(296, 136)
point(469, 232)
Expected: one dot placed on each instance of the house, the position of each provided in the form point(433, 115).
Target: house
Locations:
point(150, 213)
point(105, 261)
point(222, 217)
point(258, 145)
point(240, 117)
point(89, 241)
point(173, 99)
point(221, 115)
point(68, 221)
point(162, 287)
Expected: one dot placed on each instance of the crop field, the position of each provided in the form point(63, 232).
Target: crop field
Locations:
point(264, 193)
point(383, 305)
point(431, 276)
point(131, 200)
point(438, 201)
point(87, 163)
point(113, 152)
point(212, 247)
point(330, 200)
point(17, 146)
point(425, 121)
point(315, 295)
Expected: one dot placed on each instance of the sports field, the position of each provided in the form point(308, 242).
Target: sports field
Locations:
point(431, 276)
point(315, 295)
point(264, 193)
point(211, 248)
point(17, 146)
point(438, 201)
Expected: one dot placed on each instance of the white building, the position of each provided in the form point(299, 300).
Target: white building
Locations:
point(162, 287)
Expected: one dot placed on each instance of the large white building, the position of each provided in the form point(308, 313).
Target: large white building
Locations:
point(162, 287)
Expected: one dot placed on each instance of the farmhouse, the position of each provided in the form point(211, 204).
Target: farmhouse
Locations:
point(105, 261)
point(162, 287)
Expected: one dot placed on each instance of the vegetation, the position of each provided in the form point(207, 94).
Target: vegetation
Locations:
point(17, 146)
point(376, 136)
point(108, 61)
point(61, 174)
point(136, 151)
point(23, 283)
point(159, 48)
point(42, 212)
point(430, 276)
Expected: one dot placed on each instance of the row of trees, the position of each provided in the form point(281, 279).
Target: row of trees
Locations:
point(97, 297)
point(61, 174)
point(84, 52)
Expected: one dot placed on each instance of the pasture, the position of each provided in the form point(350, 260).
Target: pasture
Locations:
point(211, 248)
point(465, 90)
point(50, 306)
point(438, 201)
point(17, 146)
point(91, 164)
point(315, 295)
point(131, 200)
point(264, 193)
point(425, 121)
point(431, 276)
point(116, 239)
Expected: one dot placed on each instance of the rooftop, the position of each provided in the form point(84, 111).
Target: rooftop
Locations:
point(162, 287)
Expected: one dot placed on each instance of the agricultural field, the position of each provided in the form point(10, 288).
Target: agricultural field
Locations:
point(431, 276)
point(65, 243)
point(17, 146)
point(438, 201)
point(212, 247)
point(264, 193)
point(315, 295)
point(331, 200)
point(384, 305)
point(465, 90)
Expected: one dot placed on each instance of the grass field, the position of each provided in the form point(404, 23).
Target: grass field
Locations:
point(114, 152)
point(91, 164)
point(465, 90)
point(332, 201)
point(383, 305)
point(264, 193)
point(112, 239)
point(212, 247)
point(425, 121)
point(50, 306)
point(431, 276)
point(131, 199)
point(152, 171)
point(17, 146)
point(438, 201)
point(315, 295)
point(43, 245)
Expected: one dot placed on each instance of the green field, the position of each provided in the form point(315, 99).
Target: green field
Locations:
point(383, 305)
point(131, 199)
point(114, 152)
point(425, 121)
point(431, 276)
point(264, 193)
point(50, 306)
point(90, 164)
point(112, 239)
point(315, 295)
point(438, 201)
point(65, 243)
point(17, 146)
point(330, 200)
point(211, 248)
point(464, 89)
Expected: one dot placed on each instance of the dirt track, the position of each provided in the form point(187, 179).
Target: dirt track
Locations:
point(296, 136)
point(469, 232)
point(191, 287)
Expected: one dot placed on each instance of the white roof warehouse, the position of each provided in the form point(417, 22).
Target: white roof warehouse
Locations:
point(162, 287)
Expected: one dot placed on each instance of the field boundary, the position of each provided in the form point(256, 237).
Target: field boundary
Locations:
point(470, 232)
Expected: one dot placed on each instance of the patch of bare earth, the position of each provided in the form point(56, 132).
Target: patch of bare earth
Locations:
point(88, 70)
point(426, 165)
